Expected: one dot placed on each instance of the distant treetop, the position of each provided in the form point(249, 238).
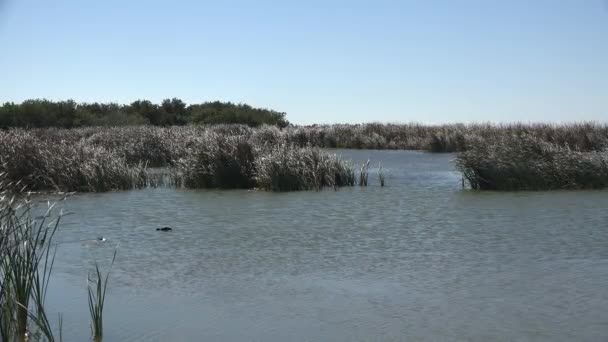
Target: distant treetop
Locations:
point(69, 114)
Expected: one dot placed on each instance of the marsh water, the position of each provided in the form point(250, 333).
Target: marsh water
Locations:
point(420, 259)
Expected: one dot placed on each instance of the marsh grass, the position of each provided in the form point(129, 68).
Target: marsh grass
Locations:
point(237, 156)
point(529, 163)
point(586, 136)
point(381, 175)
point(27, 257)
point(65, 166)
point(223, 156)
point(364, 173)
point(26, 264)
point(286, 168)
point(218, 161)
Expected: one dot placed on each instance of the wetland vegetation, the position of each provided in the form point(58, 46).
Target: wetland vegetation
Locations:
point(238, 156)
point(271, 157)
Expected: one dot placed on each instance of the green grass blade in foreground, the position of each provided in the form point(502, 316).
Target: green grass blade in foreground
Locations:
point(96, 299)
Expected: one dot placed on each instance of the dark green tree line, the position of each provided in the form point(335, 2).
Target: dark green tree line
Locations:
point(39, 113)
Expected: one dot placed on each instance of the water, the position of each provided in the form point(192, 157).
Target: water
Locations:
point(420, 259)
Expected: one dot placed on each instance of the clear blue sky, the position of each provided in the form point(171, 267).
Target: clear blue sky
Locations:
point(319, 61)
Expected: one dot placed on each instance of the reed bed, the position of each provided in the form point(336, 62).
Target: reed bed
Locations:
point(284, 168)
point(530, 163)
point(65, 166)
point(217, 161)
point(27, 256)
point(364, 174)
point(97, 287)
point(222, 156)
point(26, 264)
point(261, 159)
point(267, 157)
point(444, 138)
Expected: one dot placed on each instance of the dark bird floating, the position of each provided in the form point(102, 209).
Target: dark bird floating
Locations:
point(165, 229)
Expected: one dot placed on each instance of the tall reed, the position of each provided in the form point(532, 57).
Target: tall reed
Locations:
point(364, 173)
point(27, 256)
point(26, 264)
point(381, 175)
point(97, 297)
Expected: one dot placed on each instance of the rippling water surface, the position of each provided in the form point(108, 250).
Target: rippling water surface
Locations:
point(420, 259)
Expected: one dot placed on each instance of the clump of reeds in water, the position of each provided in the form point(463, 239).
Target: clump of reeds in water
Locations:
point(27, 255)
point(97, 287)
point(65, 166)
point(288, 168)
point(26, 263)
point(526, 162)
point(218, 161)
point(258, 159)
point(364, 173)
point(381, 175)
point(224, 156)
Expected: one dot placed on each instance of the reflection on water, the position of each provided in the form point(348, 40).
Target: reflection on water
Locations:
point(420, 259)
